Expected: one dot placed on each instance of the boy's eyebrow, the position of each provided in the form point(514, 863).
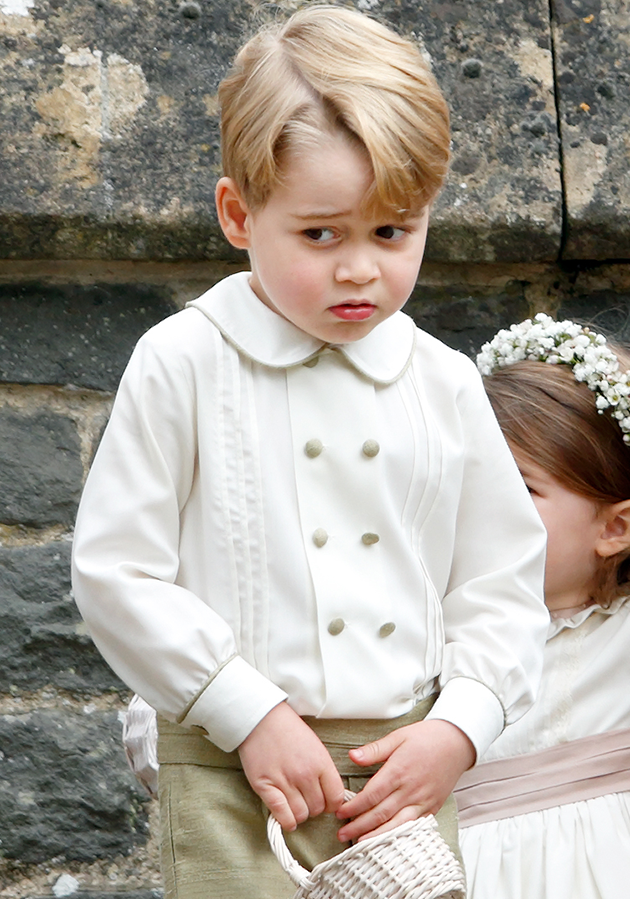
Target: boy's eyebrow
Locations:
point(327, 214)
point(321, 214)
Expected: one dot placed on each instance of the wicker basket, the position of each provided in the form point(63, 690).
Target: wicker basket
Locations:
point(410, 862)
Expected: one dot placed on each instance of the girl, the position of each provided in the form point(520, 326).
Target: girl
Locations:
point(547, 811)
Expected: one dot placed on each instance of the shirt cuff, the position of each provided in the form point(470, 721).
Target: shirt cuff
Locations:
point(474, 708)
point(233, 703)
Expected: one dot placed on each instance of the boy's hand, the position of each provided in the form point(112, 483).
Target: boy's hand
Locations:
point(423, 762)
point(290, 768)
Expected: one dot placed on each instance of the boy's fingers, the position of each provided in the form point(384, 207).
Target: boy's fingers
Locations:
point(314, 799)
point(278, 806)
point(404, 815)
point(288, 810)
point(333, 790)
point(294, 806)
point(378, 790)
point(378, 751)
point(367, 813)
point(381, 818)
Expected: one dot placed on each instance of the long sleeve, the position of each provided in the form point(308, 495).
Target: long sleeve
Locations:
point(495, 623)
point(159, 636)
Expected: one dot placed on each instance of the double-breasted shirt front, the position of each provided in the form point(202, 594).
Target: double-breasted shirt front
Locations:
point(271, 517)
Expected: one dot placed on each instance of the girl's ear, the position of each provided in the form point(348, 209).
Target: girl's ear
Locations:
point(615, 534)
point(233, 213)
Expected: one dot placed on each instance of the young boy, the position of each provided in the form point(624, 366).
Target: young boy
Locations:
point(303, 523)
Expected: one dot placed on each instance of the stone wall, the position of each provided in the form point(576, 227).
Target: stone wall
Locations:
point(109, 154)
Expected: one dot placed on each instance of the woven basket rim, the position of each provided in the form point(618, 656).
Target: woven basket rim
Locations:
point(358, 861)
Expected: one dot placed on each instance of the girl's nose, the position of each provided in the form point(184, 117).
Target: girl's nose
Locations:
point(357, 266)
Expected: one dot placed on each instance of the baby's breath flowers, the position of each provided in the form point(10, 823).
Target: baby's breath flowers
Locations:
point(542, 339)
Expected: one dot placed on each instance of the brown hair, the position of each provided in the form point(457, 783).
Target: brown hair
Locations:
point(552, 419)
point(330, 70)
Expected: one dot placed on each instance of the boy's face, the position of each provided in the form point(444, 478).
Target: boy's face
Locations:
point(316, 259)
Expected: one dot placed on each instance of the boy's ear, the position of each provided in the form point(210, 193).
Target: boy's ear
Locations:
point(615, 534)
point(233, 213)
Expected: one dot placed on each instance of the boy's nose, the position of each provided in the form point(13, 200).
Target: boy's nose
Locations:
point(358, 267)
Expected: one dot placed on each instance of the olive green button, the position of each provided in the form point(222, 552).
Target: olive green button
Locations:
point(311, 363)
point(386, 629)
point(370, 539)
point(320, 537)
point(336, 626)
point(313, 448)
point(371, 448)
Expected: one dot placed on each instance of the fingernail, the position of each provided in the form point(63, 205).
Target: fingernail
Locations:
point(358, 753)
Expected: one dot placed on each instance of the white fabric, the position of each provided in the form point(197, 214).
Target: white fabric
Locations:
point(578, 850)
point(194, 561)
point(139, 738)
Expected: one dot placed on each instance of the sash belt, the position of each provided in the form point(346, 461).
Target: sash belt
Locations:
point(179, 745)
point(571, 772)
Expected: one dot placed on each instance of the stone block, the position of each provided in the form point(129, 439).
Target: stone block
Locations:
point(43, 640)
point(66, 791)
point(503, 198)
point(465, 318)
point(593, 299)
point(109, 140)
point(109, 136)
point(592, 39)
point(74, 334)
point(40, 468)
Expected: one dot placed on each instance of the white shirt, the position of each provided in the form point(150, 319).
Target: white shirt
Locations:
point(268, 517)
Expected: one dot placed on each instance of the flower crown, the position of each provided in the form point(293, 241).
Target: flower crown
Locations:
point(542, 339)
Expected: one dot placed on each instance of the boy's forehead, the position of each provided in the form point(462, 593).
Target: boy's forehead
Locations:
point(316, 186)
point(370, 209)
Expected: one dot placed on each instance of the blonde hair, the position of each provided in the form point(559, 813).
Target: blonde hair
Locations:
point(331, 70)
point(552, 420)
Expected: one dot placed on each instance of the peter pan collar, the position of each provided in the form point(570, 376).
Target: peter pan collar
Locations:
point(262, 335)
point(559, 624)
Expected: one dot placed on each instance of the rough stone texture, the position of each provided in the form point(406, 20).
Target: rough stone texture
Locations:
point(109, 130)
point(42, 638)
point(65, 789)
point(40, 468)
point(464, 318)
point(592, 39)
point(74, 334)
point(598, 295)
point(109, 142)
point(503, 199)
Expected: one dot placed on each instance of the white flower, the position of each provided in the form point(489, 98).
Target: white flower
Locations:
point(564, 343)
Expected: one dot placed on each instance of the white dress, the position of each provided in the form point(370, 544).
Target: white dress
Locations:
point(578, 850)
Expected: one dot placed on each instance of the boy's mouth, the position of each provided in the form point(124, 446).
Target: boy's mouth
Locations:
point(353, 312)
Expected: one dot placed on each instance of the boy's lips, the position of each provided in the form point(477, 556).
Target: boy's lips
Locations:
point(353, 312)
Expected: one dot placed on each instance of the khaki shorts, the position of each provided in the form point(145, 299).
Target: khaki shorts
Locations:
point(213, 826)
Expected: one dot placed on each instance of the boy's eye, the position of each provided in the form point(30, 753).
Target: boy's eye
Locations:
point(390, 232)
point(319, 235)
